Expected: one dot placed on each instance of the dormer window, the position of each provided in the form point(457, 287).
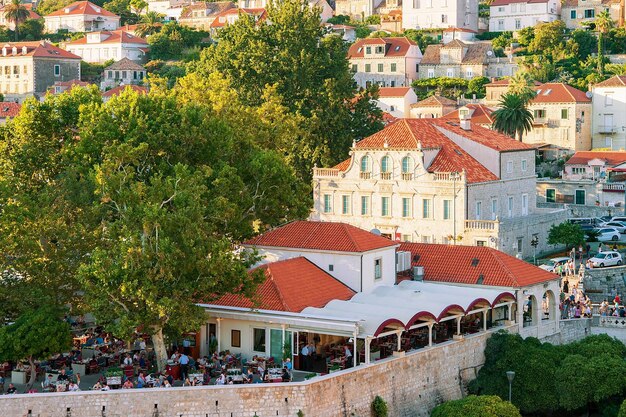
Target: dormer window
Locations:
point(14, 50)
point(380, 49)
point(24, 50)
point(4, 51)
point(397, 48)
point(360, 49)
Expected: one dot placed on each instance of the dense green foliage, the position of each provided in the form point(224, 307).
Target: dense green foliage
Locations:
point(476, 406)
point(567, 234)
point(549, 379)
point(309, 74)
point(17, 13)
point(172, 40)
point(379, 407)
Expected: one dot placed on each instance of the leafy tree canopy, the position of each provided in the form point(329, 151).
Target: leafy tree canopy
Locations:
point(567, 234)
point(477, 406)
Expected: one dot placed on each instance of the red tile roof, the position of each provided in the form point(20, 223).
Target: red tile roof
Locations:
point(616, 81)
point(83, 7)
point(435, 101)
point(559, 93)
point(505, 81)
point(393, 91)
point(480, 115)
point(114, 36)
point(291, 285)
point(454, 264)
point(611, 158)
point(343, 165)
point(453, 29)
point(9, 109)
point(412, 133)
point(120, 88)
point(71, 83)
point(38, 49)
point(393, 46)
point(211, 8)
point(327, 236)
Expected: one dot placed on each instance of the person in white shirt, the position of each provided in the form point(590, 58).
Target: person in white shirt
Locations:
point(128, 361)
point(348, 355)
point(305, 357)
point(221, 380)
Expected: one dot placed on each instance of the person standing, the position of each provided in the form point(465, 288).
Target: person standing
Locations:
point(349, 357)
point(183, 361)
point(305, 357)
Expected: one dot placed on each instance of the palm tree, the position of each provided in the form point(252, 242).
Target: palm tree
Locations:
point(603, 24)
point(16, 12)
point(512, 118)
point(150, 23)
point(522, 84)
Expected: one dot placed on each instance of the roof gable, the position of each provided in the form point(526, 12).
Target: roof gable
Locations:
point(559, 93)
point(393, 46)
point(325, 236)
point(473, 265)
point(435, 101)
point(615, 81)
point(393, 91)
point(584, 157)
point(83, 8)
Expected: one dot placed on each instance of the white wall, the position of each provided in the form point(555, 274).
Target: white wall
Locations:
point(426, 14)
point(609, 101)
point(518, 16)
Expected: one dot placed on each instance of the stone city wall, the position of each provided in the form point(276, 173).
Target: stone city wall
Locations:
point(571, 331)
point(601, 283)
point(411, 385)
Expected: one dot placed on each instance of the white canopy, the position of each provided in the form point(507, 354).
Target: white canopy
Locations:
point(402, 306)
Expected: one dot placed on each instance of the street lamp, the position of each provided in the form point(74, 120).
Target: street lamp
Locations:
point(534, 243)
point(510, 375)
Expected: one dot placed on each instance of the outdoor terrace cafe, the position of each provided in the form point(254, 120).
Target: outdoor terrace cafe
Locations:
point(367, 327)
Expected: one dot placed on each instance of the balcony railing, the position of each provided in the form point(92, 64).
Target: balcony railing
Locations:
point(613, 186)
point(325, 172)
point(407, 176)
point(490, 225)
point(385, 175)
point(365, 175)
point(607, 129)
point(447, 176)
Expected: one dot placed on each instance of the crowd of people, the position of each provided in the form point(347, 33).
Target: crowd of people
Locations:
point(574, 302)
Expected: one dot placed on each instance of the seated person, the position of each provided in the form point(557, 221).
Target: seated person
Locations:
point(128, 361)
point(97, 386)
point(166, 384)
point(221, 380)
point(63, 377)
point(142, 362)
point(128, 384)
point(105, 387)
point(206, 377)
point(286, 375)
point(48, 384)
point(141, 380)
point(12, 389)
point(99, 340)
point(73, 387)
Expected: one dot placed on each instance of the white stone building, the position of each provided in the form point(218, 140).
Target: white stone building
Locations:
point(437, 181)
point(432, 107)
point(122, 72)
point(81, 16)
point(116, 45)
point(609, 114)
point(388, 62)
point(170, 9)
point(512, 15)
point(430, 14)
point(396, 101)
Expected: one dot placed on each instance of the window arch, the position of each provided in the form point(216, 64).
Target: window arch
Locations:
point(385, 164)
point(365, 164)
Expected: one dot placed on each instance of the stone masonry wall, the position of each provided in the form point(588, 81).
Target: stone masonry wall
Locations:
point(601, 283)
point(411, 385)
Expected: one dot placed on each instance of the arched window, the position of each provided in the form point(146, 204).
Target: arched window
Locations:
point(407, 165)
point(365, 164)
point(385, 164)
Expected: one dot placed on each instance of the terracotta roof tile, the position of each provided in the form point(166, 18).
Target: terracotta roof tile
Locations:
point(212, 8)
point(9, 109)
point(454, 264)
point(259, 13)
point(505, 82)
point(120, 88)
point(343, 165)
point(393, 46)
point(291, 285)
point(486, 137)
point(559, 93)
point(125, 64)
point(480, 114)
point(476, 52)
point(393, 91)
point(434, 101)
point(505, 2)
point(39, 49)
point(113, 36)
point(328, 236)
point(611, 158)
point(83, 7)
point(616, 81)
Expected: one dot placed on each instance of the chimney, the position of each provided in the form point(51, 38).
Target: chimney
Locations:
point(418, 273)
point(464, 120)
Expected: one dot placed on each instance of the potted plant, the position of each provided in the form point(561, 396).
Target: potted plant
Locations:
point(334, 368)
point(114, 376)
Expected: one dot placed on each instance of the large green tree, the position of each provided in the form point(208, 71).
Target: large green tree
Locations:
point(289, 50)
point(603, 23)
point(149, 24)
point(512, 118)
point(35, 335)
point(567, 234)
point(477, 406)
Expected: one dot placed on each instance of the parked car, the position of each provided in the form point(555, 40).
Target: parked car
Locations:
point(551, 264)
point(603, 259)
point(606, 218)
point(608, 233)
point(618, 219)
point(620, 226)
point(587, 223)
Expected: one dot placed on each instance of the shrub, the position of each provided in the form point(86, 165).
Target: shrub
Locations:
point(379, 407)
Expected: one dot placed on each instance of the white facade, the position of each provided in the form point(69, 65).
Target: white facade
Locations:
point(396, 104)
point(356, 270)
point(510, 16)
point(81, 17)
point(99, 47)
point(171, 9)
point(609, 114)
point(428, 14)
